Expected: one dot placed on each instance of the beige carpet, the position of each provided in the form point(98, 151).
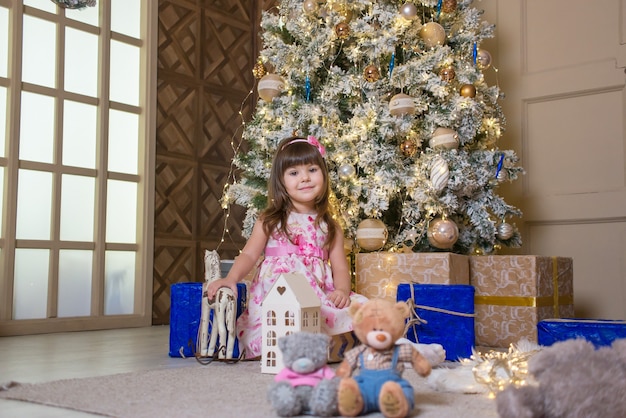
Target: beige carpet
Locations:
point(215, 390)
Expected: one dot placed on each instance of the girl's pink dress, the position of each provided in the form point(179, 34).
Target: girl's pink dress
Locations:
point(282, 256)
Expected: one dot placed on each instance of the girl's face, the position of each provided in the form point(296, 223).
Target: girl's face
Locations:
point(303, 183)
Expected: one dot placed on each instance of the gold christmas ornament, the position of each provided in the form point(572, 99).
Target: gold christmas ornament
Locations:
point(310, 6)
point(270, 86)
point(442, 233)
point(433, 34)
point(342, 29)
point(371, 73)
point(447, 73)
point(448, 6)
point(483, 59)
point(468, 90)
point(371, 234)
point(504, 231)
point(408, 11)
point(444, 138)
point(408, 148)
point(401, 104)
point(259, 70)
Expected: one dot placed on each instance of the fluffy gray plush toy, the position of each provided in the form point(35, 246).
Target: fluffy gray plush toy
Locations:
point(306, 385)
point(571, 379)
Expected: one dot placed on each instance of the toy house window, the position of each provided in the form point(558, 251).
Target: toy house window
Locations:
point(271, 359)
point(305, 319)
point(290, 319)
point(271, 338)
point(271, 318)
point(316, 319)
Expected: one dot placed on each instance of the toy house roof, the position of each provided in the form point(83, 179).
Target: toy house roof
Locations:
point(292, 287)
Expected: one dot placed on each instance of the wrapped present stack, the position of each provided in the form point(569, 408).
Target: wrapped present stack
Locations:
point(514, 293)
point(378, 274)
point(436, 286)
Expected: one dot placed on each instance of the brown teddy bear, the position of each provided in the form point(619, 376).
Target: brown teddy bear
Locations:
point(372, 372)
point(570, 379)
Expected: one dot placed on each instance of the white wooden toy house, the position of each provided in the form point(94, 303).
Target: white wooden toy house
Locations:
point(290, 306)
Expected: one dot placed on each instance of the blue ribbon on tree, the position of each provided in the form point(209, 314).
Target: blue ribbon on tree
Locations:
point(308, 88)
point(439, 8)
point(392, 63)
point(499, 167)
point(474, 52)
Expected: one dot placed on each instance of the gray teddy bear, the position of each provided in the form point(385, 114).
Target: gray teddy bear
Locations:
point(306, 385)
point(570, 379)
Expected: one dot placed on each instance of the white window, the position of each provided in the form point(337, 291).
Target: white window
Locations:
point(76, 165)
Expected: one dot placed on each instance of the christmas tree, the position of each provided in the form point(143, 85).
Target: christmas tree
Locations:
point(396, 93)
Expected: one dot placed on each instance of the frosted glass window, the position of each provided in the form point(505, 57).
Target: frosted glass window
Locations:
point(34, 204)
point(123, 142)
point(30, 288)
point(2, 170)
point(124, 73)
point(79, 134)
point(4, 41)
point(125, 17)
point(39, 52)
point(121, 218)
point(48, 6)
point(77, 208)
point(75, 272)
point(3, 120)
point(37, 128)
point(87, 15)
point(81, 62)
point(119, 283)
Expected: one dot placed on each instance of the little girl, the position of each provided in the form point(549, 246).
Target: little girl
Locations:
point(296, 233)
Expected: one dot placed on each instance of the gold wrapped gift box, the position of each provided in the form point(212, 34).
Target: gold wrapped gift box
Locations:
point(379, 273)
point(514, 293)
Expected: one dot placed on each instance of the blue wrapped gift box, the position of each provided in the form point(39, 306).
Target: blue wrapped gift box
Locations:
point(185, 311)
point(597, 331)
point(449, 314)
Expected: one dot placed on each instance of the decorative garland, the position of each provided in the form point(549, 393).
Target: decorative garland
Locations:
point(74, 4)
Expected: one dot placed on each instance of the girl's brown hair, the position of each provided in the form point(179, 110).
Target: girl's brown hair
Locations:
point(291, 152)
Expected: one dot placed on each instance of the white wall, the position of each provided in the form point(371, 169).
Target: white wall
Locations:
point(561, 65)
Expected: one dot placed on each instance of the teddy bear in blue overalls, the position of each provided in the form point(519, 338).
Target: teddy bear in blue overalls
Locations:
point(372, 372)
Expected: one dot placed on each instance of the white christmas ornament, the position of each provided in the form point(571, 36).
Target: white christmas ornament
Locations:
point(504, 231)
point(439, 173)
point(401, 104)
point(442, 233)
point(310, 6)
point(408, 11)
point(371, 234)
point(346, 171)
point(445, 138)
point(270, 86)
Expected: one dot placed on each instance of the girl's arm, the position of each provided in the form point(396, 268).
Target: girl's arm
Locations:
point(244, 262)
point(341, 272)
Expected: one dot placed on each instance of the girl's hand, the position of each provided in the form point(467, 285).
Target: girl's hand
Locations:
point(340, 298)
point(215, 285)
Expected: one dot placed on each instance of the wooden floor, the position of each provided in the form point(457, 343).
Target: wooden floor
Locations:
point(41, 358)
